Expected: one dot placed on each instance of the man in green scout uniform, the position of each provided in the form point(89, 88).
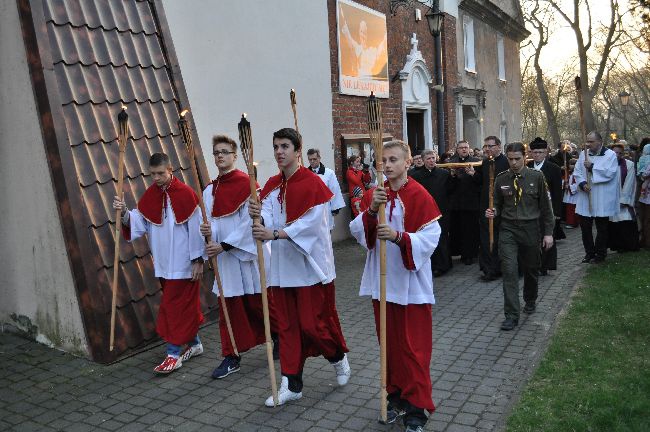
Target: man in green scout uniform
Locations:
point(521, 200)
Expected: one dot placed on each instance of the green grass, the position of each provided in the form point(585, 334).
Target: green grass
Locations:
point(595, 375)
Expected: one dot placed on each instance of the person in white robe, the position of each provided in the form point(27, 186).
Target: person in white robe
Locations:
point(226, 201)
point(412, 233)
point(294, 214)
point(329, 178)
point(168, 213)
point(598, 202)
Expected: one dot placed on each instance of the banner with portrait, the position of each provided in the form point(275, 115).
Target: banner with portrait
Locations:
point(363, 53)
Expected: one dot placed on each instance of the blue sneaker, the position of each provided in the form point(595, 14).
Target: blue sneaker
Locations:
point(229, 365)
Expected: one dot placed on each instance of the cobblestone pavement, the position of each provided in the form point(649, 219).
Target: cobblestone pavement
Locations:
point(477, 370)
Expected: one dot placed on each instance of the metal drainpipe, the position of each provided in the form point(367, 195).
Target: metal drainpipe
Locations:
point(440, 108)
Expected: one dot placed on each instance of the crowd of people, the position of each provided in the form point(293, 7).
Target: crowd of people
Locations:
point(503, 209)
point(605, 186)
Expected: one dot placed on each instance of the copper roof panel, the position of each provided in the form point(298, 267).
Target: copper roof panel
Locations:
point(122, 15)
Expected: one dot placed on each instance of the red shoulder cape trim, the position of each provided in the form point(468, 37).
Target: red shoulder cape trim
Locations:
point(229, 192)
point(184, 202)
point(300, 193)
point(420, 209)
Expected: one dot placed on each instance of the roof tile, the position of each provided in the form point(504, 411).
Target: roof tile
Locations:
point(89, 46)
point(93, 83)
point(124, 15)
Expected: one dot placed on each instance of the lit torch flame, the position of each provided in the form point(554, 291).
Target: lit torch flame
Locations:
point(184, 112)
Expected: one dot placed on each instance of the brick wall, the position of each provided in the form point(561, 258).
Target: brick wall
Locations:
point(349, 112)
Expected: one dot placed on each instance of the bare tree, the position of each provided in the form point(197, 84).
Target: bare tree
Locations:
point(590, 52)
point(540, 18)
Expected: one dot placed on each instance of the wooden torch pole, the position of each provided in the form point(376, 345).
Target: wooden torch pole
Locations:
point(292, 97)
point(122, 136)
point(187, 138)
point(246, 142)
point(376, 138)
point(491, 200)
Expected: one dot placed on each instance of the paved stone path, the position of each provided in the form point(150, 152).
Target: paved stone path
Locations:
point(477, 370)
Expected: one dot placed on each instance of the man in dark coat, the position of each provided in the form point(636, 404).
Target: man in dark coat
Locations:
point(438, 183)
point(553, 174)
point(464, 232)
point(489, 261)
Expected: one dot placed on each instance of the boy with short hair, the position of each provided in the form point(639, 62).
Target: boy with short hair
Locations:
point(168, 214)
point(226, 198)
point(412, 233)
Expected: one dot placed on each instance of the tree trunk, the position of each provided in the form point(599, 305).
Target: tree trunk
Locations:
point(551, 119)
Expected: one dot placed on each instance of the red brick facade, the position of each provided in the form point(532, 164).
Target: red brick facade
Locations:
point(349, 112)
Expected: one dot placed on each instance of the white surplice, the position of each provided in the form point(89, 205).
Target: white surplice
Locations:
point(306, 258)
point(571, 195)
point(173, 246)
point(605, 185)
point(628, 191)
point(337, 202)
point(238, 267)
point(402, 286)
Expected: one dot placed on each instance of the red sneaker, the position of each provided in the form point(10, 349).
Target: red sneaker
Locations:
point(169, 365)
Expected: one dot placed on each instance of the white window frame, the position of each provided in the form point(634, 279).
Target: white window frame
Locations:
point(468, 44)
point(501, 59)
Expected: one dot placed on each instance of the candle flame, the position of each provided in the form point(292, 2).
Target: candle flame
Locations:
point(293, 90)
point(184, 112)
point(123, 107)
point(244, 115)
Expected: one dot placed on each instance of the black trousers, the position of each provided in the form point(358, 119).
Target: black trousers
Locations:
point(441, 258)
point(464, 233)
point(489, 262)
point(599, 248)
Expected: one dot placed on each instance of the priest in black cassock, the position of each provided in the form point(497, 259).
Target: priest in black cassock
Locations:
point(438, 183)
point(489, 261)
point(464, 231)
point(553, 174)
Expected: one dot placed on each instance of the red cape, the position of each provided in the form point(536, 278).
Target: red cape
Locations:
point(230, 191)
point(183, 202)
point(301, 192)
point(420, 209)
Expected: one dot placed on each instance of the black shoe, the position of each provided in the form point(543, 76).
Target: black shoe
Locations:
point(588, 258)
point(509, 324)
point(276, 348)
point(392, 414)
point(543, 272)
point(530, 308)
point(229, 365)
point(438, 273)
point(597, 260)
point(489, 277)
point(414, 428)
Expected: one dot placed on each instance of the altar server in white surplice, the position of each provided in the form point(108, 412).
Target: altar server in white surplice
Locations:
point(623, 229)
point(602, 168)
point(329, 178)
point(412, 232)
point(168, 213)
point(226, 200)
